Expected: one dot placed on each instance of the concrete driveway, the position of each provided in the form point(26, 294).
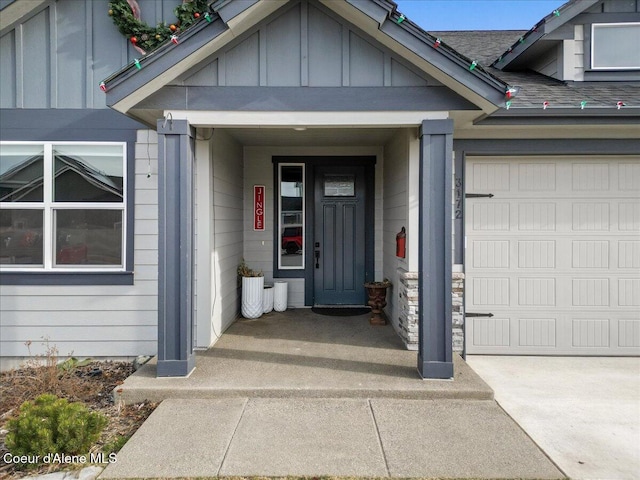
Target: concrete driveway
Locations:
point(583, 412)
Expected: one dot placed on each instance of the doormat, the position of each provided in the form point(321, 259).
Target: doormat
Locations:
point(341, 311)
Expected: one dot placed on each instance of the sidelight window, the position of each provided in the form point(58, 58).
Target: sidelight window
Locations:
point(291, 216)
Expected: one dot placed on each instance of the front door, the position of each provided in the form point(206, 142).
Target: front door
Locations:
point(339, 235)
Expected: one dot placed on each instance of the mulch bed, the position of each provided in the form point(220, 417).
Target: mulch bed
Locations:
point(91, 384)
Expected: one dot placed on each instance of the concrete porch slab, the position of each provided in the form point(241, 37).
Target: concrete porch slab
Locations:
point(298, 353)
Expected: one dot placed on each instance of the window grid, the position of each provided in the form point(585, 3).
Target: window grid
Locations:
point(48, 206)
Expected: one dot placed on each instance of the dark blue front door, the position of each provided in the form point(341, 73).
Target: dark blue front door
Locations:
point(339, 239)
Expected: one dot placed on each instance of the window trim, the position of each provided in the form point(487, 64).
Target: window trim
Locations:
point(592, 65)
point(11, 273)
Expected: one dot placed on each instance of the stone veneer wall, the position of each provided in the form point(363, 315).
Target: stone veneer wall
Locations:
point(408, 309)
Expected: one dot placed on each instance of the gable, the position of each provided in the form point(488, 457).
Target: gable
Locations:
point(306, 45)
point(324, 44)
point(560, 46)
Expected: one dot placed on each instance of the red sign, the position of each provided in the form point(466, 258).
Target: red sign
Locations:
point(258, 207)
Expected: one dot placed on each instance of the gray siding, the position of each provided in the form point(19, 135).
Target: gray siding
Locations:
point(95, 321)
point(57, 57)
point(305, 44)
point(570, 59)
point(547, 64)
point(228, 227)
point(395, 213)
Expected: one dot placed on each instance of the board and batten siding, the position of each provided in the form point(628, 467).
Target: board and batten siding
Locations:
point(95, 321)
point(304, 44)
point(57, 56)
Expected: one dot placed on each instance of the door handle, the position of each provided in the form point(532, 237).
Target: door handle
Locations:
point(317, 258)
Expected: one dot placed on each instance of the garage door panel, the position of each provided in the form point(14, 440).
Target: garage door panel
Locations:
point(536, 292)
point(629, 292)
point(629, 217)
point(536, 217)
point(629, 254)
point(536, 254)
point(554, 256)
point(629, 177)
point(629, 333)
point(537, 177)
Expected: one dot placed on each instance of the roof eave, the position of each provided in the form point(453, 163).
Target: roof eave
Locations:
point(562, 116)
point(541, 29)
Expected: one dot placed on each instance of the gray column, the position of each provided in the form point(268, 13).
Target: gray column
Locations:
point(435, 254)
point(175, 248)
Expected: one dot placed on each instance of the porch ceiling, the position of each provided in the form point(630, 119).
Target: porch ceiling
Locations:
point(312, 136)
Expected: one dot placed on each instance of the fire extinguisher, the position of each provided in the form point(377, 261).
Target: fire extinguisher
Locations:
point(401, 243)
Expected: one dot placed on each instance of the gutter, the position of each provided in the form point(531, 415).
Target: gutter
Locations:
point(562, 116)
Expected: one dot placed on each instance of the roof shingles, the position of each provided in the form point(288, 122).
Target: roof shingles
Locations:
point(535, 88)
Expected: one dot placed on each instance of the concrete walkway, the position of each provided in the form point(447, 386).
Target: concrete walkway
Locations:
point(583, 412)
point(302, 394)
point(341, 437)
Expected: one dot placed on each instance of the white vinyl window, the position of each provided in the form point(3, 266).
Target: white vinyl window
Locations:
point(62, 206)
point(291, 216)
point(614, 46)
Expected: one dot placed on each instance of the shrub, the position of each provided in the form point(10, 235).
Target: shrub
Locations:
point(53, 425)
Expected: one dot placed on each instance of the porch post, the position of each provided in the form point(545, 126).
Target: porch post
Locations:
point(175, 248)
point(435, 254)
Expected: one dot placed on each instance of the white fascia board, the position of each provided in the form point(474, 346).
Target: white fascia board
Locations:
point(250, 119)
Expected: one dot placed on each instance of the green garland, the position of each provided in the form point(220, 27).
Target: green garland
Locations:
point(149, 38)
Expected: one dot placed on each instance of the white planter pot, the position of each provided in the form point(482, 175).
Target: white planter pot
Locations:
point(267, 299)
point(280, 296)
point(252, 289)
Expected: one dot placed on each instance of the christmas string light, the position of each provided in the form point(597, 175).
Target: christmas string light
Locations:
point(103, 87)
point(437, 43)
point(556, 13)
point(137, 63)
point(546, 105)
point(174, 39)
point(401, 19)
point(473, 65)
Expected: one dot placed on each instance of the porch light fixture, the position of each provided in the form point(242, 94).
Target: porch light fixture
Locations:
point(299, 129)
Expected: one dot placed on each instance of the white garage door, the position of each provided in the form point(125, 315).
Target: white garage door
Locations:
point(554, 255)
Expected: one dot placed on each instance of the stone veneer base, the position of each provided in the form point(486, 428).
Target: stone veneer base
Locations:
point(407, 326)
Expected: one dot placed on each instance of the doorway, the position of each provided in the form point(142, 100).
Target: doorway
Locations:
point(339, 251)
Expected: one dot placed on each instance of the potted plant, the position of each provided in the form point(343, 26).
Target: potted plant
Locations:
point(377, 292)
point(252, 290)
